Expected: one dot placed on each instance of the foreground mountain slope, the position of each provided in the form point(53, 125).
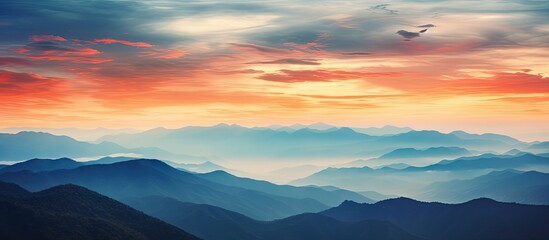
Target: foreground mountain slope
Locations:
point(140, 178)
point(73, 212)
point(213, 223)
point(476, 219)
point(510, 186)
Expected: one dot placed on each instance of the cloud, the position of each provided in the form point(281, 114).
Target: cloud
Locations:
point(356, 53)
point(41, 38)
point(56, 51)
point(408, 35)
point(385, 8)
point(499, 83)
point(11, 61)
point(75, 59)
point(426, 26)
point(166, 53)
point(15, 83)
point(292, 61)
point(124, 42)
point(51, 47)
point(258, 48)
point(293, 76)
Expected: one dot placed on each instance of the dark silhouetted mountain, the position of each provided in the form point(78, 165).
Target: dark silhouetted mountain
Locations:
point(509, 186)
point(140, 178)
point(330, 198)
point(73, 212)
point(205, 221)
point(37, 165)
point(13, 190)
point(425, 153)
point(213, 223)
point(477, 219)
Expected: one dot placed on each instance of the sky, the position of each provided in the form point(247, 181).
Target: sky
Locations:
point(479, 66)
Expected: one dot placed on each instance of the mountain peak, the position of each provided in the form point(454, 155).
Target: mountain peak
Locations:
point(348, 203)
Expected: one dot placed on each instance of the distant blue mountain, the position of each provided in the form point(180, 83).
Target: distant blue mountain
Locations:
point(541, 147)
point(237, 142)
point(213, 223)
point(424, 153)
point(140, 178)
point(382, 131)
point(486, 136)
point(509, 185)
point(27, 145)
point(330, 198)
point(487, 162)
point(476, 219)
point(409, 181)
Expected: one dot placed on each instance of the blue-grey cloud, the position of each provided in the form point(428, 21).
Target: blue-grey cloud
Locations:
point(407, 34)
point(291, 61)
point(384, 7)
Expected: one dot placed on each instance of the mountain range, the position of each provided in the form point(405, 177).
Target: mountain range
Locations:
point(410, 181)
point(214, 223)
point(477, 219)
point(417, 156)
point(530, 187)
point(73, 212)
point(237, 143)
point(140, 178)
point(88, 135)
point(27, 145)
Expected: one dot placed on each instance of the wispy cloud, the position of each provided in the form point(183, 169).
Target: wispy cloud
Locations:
point(123, 42)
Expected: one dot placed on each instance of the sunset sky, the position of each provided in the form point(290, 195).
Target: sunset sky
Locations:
point(479, 66)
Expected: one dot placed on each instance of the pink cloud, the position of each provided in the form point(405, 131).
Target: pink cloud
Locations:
point(40, 38)
point(10, 61)
point(124, 42)
point(166, 53)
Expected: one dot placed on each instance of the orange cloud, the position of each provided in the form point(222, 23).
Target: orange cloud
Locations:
point(124, 42)
point(501, 82)
point(28, 87)
point(166, 53)
point(75, 59)
point(292, 76)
